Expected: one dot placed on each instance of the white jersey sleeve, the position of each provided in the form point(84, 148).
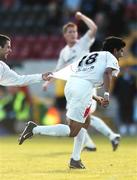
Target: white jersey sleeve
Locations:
point(9, 77)
point(85, 41)
point(60, 62)
point(112, 62)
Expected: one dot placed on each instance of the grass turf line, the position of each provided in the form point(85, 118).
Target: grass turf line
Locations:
point(46, 158)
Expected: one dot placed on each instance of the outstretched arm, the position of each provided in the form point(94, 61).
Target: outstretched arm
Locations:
point(89, 22)
point(11, 78)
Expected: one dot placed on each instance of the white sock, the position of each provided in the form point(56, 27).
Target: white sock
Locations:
point(55, 130)
point(78, 144)
point(88, 142)
point(100, 126)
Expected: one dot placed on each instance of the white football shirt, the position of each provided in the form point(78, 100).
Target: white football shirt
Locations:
point(9, 77)
point(68, 55)
point(92, 66)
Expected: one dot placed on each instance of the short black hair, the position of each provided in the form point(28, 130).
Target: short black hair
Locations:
point(3, 40)
point(112, 42)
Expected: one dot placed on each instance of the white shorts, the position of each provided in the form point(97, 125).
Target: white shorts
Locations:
point(78, 93)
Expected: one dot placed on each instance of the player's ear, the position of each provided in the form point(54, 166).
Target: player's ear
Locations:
point(114, 51)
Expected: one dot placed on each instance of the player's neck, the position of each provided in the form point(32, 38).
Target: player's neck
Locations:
point(71, 44)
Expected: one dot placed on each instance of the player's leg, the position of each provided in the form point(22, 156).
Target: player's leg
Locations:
point(34, 129)
point(89, 145)
point(55, 130)
point(75, 161)
point(79, 110)
point(74, 129)
point(100, 126)
point(60, 129)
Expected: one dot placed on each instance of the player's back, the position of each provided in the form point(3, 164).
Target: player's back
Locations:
point(92, 66)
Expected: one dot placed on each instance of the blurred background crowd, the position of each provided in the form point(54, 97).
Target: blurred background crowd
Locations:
point(35, 28)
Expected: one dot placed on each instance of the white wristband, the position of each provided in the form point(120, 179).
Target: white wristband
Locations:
point(106, 93)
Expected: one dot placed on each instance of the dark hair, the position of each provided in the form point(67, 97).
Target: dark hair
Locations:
point(111, 43)
point(3, 40)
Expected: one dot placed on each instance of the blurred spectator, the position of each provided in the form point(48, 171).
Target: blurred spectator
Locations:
point(8, 3)
point(117, 21)
point(60, 100)
point(72, 5)
point(133, 47)
point(131, 13)
point(54, 16)
point(125, 91)
point(35, 2)
point(17, 109)
point(102, 24)
point(4, 99)
point(87, 7)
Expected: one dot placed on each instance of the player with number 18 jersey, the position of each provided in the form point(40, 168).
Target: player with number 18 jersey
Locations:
point(87, 74)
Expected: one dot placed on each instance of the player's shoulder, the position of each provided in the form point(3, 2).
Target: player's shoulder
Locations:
point(96, 52)
point(109, 54)
point(64, 48)
point(103, 52)
point(3, 65)
point(85, 36)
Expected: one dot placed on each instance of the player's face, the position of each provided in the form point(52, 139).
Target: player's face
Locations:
point(6, 50)
point(71, 35)
point(119, 53)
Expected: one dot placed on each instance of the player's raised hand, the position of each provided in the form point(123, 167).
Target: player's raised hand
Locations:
point(78, 15)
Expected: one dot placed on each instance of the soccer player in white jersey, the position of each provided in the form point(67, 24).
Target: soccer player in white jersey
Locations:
point(93, 70)
point(9, 77)
point(74, 49)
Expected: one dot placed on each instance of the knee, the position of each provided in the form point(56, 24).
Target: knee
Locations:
point(74, 128)
point(73, 134)
point(87, 123)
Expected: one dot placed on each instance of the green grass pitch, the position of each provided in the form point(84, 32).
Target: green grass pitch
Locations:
point(46, 158)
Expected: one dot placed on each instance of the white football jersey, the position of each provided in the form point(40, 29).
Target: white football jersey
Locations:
point(92, 66)
point(68, 55)
point(8, 77)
